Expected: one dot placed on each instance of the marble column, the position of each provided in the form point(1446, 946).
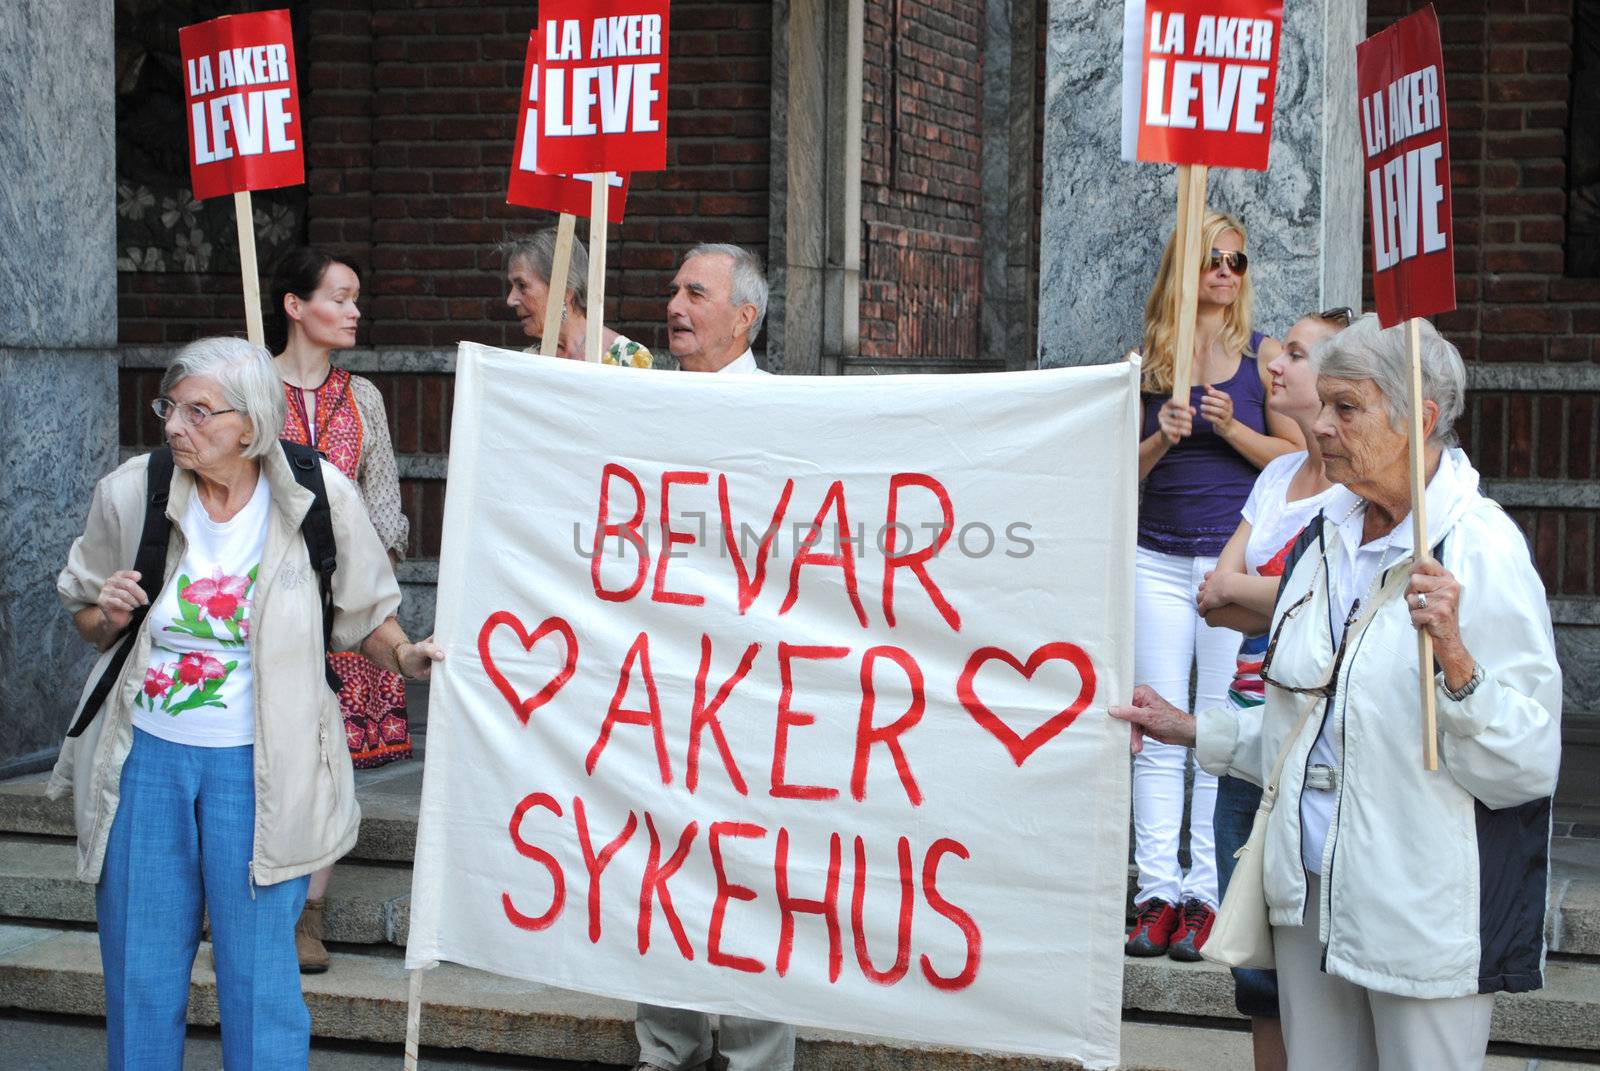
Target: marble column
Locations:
point(814, 246)
point(58, 333)
point(1104, 222)
point(1009, 203)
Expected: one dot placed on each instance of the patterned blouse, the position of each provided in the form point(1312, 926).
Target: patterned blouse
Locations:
point(624, 352)
point(353, 431)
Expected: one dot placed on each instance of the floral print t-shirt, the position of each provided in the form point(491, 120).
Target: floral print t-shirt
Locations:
point(198, 688)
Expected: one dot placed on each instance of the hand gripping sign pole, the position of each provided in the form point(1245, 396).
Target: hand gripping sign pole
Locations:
point(243, 113)
point(603, 74)
point(1399, 73)
point(1207, 73)
point(568, 195)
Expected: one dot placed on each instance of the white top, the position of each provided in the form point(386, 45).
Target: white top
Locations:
point(744, 364)
point(1353, 568)
point(198, 689)
point(1275, 522)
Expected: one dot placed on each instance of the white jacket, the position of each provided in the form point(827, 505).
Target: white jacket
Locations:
point(1434, 884)
point(306, 812)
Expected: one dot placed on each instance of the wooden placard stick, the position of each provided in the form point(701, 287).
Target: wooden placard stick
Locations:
point(597, 265)
point(249, 273)
point(1419, 540)
point(1186, 247)
point(413, 1016)
point(555, 305)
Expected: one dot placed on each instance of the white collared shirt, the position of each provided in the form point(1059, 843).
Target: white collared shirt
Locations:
point(1352, 571)
point(744, 364)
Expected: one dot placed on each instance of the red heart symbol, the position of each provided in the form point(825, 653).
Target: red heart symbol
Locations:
point(1021, 747)
point(524, 708)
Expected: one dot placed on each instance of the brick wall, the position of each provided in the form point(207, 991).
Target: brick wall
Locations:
point(920, 178)
point(410, 117)
point(1508, 85)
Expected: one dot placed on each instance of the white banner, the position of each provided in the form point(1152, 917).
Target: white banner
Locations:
point(864, 783)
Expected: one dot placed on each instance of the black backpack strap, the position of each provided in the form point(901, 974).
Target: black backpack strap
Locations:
point(151, 563)
point(317, 528)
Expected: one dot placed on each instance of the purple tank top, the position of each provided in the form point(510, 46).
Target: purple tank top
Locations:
point(1192, 498)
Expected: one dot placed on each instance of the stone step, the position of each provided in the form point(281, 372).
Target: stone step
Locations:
point(363, 998)
point(388, 835)
point(388, 811)
point(38, 880)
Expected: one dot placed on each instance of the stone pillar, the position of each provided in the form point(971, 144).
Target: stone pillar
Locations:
point(58, 333)
point(1009, 289)
point(814, 249)
point(1104, 221)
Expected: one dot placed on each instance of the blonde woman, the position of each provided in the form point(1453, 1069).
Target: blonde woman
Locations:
point(1198, 462)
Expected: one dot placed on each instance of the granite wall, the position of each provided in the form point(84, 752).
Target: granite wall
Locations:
point(58, 330)
point(1104, 221)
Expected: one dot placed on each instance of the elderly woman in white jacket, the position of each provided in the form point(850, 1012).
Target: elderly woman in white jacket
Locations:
point(215, 774)
point(1400, 900)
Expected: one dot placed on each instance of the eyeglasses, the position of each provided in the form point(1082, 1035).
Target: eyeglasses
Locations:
point(1339, 317)
point(1324, 688)
point(1237, 262)
point(193, 415)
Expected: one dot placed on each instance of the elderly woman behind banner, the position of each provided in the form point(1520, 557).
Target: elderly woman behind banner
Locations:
point(529, 264)
point(1401, 900)
point(215, 776)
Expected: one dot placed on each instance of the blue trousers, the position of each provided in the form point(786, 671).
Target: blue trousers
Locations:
point(1255, 992)
point(183, 837)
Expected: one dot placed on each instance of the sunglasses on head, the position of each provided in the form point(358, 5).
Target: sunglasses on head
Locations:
point(1339, 317)
point(1237, 262)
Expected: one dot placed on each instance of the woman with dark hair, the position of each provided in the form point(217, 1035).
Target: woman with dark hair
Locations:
point(314, 307)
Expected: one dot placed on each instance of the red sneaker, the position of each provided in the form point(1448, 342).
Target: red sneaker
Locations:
point(1193, 929)
point(1152, 928)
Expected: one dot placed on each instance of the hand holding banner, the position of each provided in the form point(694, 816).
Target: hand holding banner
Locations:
point(1400, 78)
point(243, 111)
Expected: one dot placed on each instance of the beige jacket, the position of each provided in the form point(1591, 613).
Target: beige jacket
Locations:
point(306, 813)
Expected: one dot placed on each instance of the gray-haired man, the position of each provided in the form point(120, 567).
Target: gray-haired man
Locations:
point(715, 307)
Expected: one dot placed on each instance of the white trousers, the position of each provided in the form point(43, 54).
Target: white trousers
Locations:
point(1170, 639)
point(1330, 1024)
point(676, 1039)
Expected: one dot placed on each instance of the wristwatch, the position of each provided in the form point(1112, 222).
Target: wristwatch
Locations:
point(1466, 689)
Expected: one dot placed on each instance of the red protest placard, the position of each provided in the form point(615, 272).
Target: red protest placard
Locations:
point(1406, 142)
point(1210, 76)
point(530, 187)
point(242, 104)
point(603, 101)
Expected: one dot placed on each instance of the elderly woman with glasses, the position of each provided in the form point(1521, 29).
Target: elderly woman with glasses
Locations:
point(1400, 899)
point(215, 775)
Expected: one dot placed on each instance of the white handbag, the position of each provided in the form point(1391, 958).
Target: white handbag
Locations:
point(1241, 936)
